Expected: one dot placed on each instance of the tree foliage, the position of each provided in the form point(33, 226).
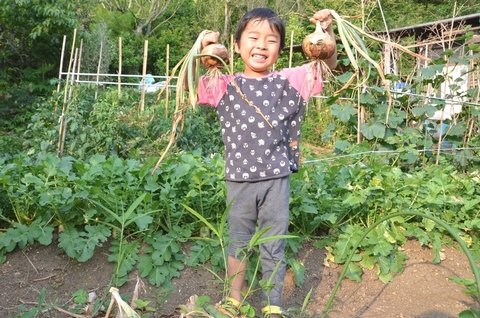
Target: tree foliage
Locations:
point(31, 31)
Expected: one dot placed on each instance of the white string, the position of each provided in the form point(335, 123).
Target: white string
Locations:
point(395, 152)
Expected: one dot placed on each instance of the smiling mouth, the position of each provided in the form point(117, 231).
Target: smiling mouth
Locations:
point(259, 57)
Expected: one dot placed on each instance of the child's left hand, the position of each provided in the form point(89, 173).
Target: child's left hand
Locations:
point(322, 16)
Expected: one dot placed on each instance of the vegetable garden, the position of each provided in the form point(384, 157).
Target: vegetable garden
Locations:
point(360, 199)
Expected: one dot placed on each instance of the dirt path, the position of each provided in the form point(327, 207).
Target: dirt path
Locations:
point(422, 290)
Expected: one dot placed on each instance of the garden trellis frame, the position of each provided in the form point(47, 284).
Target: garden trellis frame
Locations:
point(71, 78)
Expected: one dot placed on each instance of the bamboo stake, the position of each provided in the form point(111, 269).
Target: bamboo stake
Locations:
point(98, 68)
point(231, 53)
point(144, 73)
point(291, 51)
point(119, 66)
point(62, 125)
point(61, 65)
point(79, 60)
point(167, 67)
point(72, 80)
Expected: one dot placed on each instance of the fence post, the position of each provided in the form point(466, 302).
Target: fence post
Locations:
point(144, 73)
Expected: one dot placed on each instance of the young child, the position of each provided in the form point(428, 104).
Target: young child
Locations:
point(260, 112)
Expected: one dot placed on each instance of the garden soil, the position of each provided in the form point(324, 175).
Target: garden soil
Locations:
point(421, 290)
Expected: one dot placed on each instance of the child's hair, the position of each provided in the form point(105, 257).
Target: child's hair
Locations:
point(260, 14)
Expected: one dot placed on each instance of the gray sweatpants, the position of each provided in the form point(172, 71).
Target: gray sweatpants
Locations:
point(268, 203)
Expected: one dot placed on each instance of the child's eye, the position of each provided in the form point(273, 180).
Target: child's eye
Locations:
point(252, 38)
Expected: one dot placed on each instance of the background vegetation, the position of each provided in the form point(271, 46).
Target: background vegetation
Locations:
point(102, 187)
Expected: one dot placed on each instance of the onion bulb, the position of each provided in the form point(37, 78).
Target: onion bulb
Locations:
point(209, 61)
point(319, 45)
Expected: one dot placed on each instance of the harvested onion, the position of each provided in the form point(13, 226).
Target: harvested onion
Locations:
point(209, 61)
point(319, 45)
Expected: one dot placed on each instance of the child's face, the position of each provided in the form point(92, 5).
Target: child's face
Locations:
point(259, 48)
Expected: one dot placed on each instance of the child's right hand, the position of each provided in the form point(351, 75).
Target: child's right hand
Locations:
point(210, 38)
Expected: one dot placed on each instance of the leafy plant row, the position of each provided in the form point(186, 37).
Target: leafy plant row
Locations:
point(101, 198)
point(146, 217)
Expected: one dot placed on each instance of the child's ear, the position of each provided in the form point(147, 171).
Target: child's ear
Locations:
point(237, 47)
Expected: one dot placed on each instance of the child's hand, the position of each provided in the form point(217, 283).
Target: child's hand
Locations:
point(210, 37)
point(322, 16)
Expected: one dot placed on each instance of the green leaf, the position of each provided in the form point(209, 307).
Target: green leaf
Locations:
point(80, 245)
point(437, 247)
point(345, 243)
point(343, 112)
point(299, 271)
point(368, 261)
point(158, 275)
point(383, 247)
point(143, 221)
point(354, 272)
point(373, 130)
point(383, 264)
point(385, 278)
point(470, 313)
point(345, 77)
point(145, 265)
point(397, 264)
point(80, 297)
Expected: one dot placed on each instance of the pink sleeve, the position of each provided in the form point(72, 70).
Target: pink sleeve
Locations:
point(307, 79)
point(211, 89)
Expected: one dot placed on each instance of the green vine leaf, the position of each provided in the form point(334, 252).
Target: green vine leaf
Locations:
point(343, 112)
